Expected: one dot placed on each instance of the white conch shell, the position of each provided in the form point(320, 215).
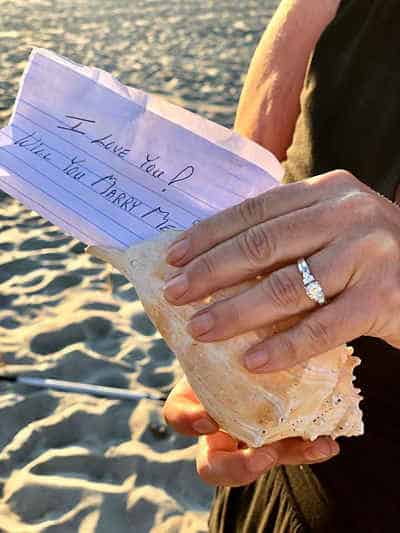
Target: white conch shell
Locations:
point(312, 399)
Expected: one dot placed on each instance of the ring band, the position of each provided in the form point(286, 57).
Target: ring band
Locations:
point(312, 287)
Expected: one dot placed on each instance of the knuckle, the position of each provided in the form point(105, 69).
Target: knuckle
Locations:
point(381, 243)
point(288, 349)
point(205, 265)
point(342, 176)
point(369, 204)
point(230, 315)
point(364, 206)
point(256, 244)
point(361, 206)
point(317, 334)
point(178, 416)
point(173, 420)
point(204, 233)
point(253, 210)
point(372, 242)
point(385, 244)
point(282, 289)
point(342, 179)
point(169, 411)
point(204, 470)
point(205, 229)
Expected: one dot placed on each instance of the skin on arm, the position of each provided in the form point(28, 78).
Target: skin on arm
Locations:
point(270, 100)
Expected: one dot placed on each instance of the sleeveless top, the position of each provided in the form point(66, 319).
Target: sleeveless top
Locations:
point(350, 117)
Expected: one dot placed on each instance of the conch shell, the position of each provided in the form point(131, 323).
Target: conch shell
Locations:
point(312, 399)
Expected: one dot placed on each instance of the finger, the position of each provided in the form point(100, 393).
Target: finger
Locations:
point(221, 441)
point(287, 451)
point(340, 321)
point(298, 451)
point(274, 203)
point(260, 248)
point(219, 462)
point(185, 414)
point(276, 297)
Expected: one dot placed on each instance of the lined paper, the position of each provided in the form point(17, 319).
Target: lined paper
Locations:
point(112, 165)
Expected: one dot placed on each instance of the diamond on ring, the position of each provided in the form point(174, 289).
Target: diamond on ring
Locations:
point(312, 287)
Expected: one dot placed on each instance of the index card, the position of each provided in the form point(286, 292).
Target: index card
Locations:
point(112, 165)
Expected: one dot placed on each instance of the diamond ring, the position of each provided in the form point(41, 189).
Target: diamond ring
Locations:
point(312, 287)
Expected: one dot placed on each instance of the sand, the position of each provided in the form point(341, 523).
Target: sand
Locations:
point(71, 462)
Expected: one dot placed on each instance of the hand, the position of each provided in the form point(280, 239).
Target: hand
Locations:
point(221, 460)
point(351, 238)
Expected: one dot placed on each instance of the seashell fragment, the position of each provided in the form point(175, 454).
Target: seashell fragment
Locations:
point(312, 399)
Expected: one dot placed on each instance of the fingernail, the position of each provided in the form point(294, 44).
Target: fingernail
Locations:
point(177, 251)
point(255, 359)
point(203, 425)
point(321, 450)
point(201, 324)
point(176, 287)
point(260, 462)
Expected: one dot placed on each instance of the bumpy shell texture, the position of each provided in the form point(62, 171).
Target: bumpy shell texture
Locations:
point(312, 399)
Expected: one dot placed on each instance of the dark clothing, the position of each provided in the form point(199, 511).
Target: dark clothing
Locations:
point(351, 100)
point(350, 119)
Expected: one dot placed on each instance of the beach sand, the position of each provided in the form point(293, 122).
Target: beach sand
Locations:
point(70, 462)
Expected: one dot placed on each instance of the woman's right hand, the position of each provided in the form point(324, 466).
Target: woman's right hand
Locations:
point(221, 459)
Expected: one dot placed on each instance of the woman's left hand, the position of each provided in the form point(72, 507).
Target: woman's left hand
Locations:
point(350, 237)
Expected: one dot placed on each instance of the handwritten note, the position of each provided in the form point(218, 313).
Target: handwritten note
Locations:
point(112, 165)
